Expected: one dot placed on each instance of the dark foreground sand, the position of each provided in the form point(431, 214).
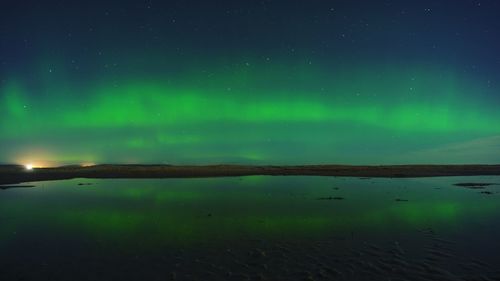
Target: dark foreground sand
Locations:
point(12, 174)
point(338, 258)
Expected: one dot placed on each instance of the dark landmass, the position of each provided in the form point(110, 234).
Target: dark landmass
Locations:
point(12, 174)
point(3, 187)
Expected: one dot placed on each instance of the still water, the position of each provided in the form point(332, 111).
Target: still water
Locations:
point(251, 228)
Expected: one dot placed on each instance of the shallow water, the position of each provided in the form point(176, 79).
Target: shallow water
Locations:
point(251, 228)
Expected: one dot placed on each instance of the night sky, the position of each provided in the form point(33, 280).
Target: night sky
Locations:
point(250, 82)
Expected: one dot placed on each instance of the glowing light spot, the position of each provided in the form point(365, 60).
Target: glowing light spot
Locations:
point(29, 167)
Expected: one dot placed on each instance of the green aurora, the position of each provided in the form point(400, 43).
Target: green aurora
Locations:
point(253, 112)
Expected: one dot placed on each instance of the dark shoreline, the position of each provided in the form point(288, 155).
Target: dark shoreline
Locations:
point(13, 174)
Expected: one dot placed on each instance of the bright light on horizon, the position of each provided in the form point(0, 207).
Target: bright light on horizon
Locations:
point(29, 167)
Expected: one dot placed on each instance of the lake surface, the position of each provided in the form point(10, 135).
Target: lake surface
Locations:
point(251, 228)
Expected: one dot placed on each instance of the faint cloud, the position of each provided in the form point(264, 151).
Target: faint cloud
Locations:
point(481, 150)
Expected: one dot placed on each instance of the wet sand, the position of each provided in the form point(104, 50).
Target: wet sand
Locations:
point(342, 229)
point(12, 174)
point(339, 258)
